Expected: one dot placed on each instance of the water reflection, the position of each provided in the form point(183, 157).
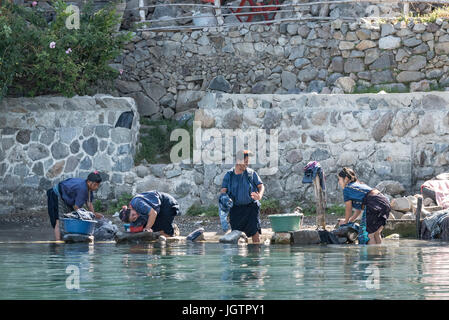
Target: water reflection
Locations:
point(406, 270)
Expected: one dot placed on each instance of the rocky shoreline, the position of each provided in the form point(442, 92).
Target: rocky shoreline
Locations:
point(186, 224)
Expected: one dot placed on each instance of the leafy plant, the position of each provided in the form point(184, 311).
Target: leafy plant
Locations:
point(270, 206)
point(155, 140)
point(123, 200)
point(38, 58)
point(98, 205)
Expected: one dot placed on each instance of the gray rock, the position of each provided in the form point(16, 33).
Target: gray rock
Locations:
point(306, 237)
point(301, 62)
point(386, 29)
point(23, 136)
point(127, 86)
point(90, 146)
point(233, 237)
point(294, 156)
point(272, 119)
point(307, 74)
point(337, 64)
point(72, 164)
point(75, 147)
point(384, 76)
point(382, 126)
point(316, 86)
point(173, 173)
point(59, 150)
point(414, 63)
point(320, 155)
point(411, 42)
point(37, 151)
point(38, 169)
point(389, 43)
point(123, 164)
point(409, 76)
point(390, 187)
point(219, 83)
point(354, 65)
point(142, 171)
point(385, 61)
point(102, 131)
point(121, 135)
point(288, 80)
point(188, 100)
point(86, 164)
point(232, 120)
point(67, 135)
point(145, 105)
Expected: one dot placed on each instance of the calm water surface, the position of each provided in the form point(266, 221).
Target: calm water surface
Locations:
point(406, 269)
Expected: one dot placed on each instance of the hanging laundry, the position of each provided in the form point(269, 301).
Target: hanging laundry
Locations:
point(311, 170)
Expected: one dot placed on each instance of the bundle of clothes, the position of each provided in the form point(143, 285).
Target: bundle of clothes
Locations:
point(436, 226)
point(104, 228)
point(346, 233)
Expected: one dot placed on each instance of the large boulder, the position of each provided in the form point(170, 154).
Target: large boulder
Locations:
point(391, 187)
point(401, 204)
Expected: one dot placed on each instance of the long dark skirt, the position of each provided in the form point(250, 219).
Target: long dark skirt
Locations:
point(377, 211)
point(246, 218)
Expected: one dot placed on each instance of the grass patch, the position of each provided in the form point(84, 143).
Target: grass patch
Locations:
point(155, 140)
point(379, 88)
point(442, 13)
point(203, 211)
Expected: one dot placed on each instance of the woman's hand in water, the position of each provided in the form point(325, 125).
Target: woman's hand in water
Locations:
point(148, 230)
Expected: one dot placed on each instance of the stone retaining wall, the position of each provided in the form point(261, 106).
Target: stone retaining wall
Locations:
point(400, 140)
point(163, 70)
point(45, 140)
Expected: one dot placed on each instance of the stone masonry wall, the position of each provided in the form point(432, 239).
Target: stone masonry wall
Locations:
point(398, 139)
point(164, 71)
point(45, 140)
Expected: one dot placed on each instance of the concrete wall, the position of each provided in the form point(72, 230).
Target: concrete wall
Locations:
point(45, 140)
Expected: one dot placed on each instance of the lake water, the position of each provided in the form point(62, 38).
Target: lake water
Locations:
point(405, 269)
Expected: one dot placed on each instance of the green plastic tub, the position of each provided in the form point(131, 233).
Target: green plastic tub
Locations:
point(286, 222)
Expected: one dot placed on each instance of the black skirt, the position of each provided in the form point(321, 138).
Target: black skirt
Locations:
point(246, 218)
point(377, 211)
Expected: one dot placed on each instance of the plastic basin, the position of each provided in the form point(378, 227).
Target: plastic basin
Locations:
point(79, 226)
point(286, 222)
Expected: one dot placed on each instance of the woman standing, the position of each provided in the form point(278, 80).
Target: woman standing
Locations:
point(359, 196)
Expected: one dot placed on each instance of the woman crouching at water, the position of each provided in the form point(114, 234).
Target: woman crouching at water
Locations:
point(359, 196)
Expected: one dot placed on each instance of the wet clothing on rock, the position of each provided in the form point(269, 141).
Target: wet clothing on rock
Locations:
point(105, 230)
point(165, 206)
point(312, 169)
point(440, 191)
point(434, 224)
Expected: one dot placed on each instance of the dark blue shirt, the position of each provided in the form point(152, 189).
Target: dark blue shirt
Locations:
point(145, 201)
point(356, 192)
point(74, 191)
point(239, 188)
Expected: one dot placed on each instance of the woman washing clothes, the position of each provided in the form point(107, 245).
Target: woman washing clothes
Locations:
point(359, 196)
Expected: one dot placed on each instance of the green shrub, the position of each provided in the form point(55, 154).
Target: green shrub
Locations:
point(270, 206)
point(203, 211)
point(123, 200)
point(98, 206)
point(155, 140)
point(78, 62)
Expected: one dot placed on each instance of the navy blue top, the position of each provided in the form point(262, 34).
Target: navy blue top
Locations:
point(74, 191)
point(145, 201)
point(356, 192)
point(239, 188)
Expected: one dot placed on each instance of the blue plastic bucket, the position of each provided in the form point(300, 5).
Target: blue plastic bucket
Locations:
point(79, 226)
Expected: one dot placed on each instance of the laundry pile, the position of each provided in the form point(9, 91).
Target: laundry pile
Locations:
point(436, 226)
point(81, 214)
point(346, 233)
